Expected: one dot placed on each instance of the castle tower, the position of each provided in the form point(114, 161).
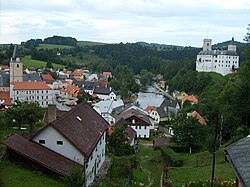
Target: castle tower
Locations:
point(16, 67)
point(207, 44)
point(231, 46)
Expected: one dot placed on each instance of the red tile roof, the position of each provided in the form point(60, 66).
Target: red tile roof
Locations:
point(72, 90)
point(4, 67)
point(149, 108)
point(5, 95)
point(30, 86)
point(190, 98)
point(107, 74)
point(201, 120)
point(82, 126)
point(47, 77)
point(40, 154)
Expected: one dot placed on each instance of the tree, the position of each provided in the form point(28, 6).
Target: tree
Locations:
point(247, 37)
point(188, 132)
point(118, 143)
point(49, 65)
point(24, 113)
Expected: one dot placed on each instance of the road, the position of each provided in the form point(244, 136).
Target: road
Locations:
point(60, 106)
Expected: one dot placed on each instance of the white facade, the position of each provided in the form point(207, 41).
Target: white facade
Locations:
point(43, 97)
point(220, 61)
point(96, 160)
point(155, 116)
point(53, 140)
point(106, 107)
point(51, 137)
point(141, 131)
point(111, 96)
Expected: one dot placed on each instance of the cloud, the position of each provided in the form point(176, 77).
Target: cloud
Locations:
point(163, 21)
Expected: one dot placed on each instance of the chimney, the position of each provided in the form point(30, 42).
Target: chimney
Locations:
point(51, 112)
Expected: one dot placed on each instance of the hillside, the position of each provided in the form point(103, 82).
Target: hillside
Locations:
point(223, 45)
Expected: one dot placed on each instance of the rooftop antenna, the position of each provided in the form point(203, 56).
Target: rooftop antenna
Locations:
point(207, 32)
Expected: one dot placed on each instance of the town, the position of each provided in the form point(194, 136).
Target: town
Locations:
point(95, 127)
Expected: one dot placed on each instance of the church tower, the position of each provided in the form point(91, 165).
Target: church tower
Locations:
point(207, 44)
point(231, 45)
point(16, 67)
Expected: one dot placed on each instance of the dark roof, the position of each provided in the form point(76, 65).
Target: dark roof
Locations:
point(82, 126)
point(162, 113)
point(133, 113)
point(15, 53)
point(4, 79)
point(40, 154)
point(238, 156)
point(158, 142)
point(130, 134)
point(32, 77)
point(87, 85)
point(102, 90)
point(218, 52)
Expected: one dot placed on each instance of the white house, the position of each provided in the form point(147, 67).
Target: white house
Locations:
point(106, 107)
point(105, 93)
point(220, 61)
point(79, 136)
point(137, 120)
point(31, 91)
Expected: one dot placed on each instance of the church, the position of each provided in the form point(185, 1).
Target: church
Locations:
point(219, 61)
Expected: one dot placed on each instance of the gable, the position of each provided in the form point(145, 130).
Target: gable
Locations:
point(51, 136)
point(82, 127)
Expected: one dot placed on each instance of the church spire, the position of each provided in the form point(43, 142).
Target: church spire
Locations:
point(15, 56)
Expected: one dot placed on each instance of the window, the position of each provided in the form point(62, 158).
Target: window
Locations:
point(59, 142)
point(145, 127)
point(17, 65)
point(42, 141)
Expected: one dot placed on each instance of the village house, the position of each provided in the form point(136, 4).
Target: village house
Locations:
point(31, 91)
point(106, 107)
point(107, 74)
point(105, 93)
point(78, 74)
point(237, 155)
point(88, 86)
point(196, 115)
point(138, 120)
point(5, 100)
point(70, 91)
point(47, 78)
point(4, 81)
point(76, 138)
point(192, 99)
point(99, 79)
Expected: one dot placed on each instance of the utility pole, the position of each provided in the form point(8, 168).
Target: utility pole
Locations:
point(214, 150)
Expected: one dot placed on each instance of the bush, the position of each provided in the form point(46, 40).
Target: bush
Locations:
point(171, 157)
point(179, 148)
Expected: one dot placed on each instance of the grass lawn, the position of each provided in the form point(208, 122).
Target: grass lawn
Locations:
point(53, 46)
point(151, 164)
point(117, 173)
point(28, 62)
point(199, 166)
point(16, 175)
point(84, 43)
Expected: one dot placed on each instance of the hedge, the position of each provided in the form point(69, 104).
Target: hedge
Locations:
point(171, 157)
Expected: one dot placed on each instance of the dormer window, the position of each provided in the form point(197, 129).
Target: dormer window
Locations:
point(59, 142)
point(41, 141)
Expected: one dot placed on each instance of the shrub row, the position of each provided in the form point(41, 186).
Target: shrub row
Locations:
point(171, 157)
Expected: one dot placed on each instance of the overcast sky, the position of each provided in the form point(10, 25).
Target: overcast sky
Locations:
point(178, 22)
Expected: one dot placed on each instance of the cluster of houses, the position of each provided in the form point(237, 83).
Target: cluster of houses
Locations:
point(78, 136)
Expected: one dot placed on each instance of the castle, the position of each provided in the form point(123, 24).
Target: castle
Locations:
point(220, 61)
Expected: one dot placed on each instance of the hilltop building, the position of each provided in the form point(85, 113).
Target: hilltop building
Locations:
point(220, 61)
